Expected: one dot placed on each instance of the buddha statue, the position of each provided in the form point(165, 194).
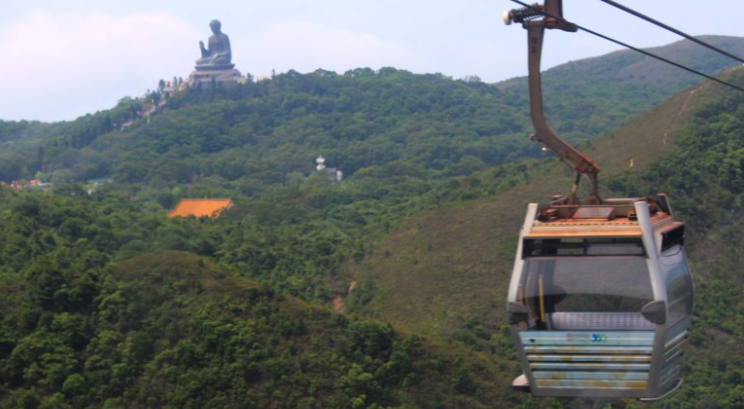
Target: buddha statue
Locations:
point(217, 55)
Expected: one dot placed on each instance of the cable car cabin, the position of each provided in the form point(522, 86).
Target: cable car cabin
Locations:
point(600, 299)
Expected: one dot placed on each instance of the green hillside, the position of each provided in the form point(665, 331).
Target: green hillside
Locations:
point(267, 130)
point(446, 270)
point(167, 328)
point(108, 303)
point(477, 240)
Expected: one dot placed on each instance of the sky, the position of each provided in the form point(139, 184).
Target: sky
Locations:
point(61, 59)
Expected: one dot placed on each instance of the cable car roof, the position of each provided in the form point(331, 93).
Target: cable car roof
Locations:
point(614, 218)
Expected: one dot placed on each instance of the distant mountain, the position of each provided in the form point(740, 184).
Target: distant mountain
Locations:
point(585, 98)
point(631, 67)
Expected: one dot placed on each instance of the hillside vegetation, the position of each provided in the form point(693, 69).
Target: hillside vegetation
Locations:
point(446, 270)
point(172, 329)
point(108, 303)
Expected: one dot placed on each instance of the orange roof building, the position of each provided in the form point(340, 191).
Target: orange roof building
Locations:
point(211, 208)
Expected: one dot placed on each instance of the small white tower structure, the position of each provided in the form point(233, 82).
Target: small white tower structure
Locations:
point(333, 174)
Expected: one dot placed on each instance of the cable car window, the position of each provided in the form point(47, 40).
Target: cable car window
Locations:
point(678, 284)
point(582, 247)
point(673, 238)
point(551, 285)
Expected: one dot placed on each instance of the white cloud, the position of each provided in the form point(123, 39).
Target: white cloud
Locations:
point(306, 46)
point(67, 64)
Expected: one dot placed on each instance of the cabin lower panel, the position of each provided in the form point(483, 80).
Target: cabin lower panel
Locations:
point(583, 363)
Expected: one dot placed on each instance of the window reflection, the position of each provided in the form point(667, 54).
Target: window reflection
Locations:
point(584, 285)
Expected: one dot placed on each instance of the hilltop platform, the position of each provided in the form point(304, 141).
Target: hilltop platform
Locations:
point(206, 77)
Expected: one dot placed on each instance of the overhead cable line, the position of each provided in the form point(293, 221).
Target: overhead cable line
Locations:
point(673, 30)
point(618, 42)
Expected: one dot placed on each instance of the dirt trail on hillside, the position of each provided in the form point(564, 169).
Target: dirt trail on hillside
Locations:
point(679, 114)
point(339, 301)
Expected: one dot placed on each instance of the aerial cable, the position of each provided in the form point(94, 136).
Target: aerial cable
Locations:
point(618, 42)
point(673, 30)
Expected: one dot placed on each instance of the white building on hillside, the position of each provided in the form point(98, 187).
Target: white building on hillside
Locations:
point(333, 173)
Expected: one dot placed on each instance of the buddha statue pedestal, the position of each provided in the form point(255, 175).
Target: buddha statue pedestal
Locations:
point(204, 77)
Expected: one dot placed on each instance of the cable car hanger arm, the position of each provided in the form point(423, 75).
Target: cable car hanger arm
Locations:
point(536, 19)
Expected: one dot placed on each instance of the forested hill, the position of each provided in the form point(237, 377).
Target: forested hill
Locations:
point(359, 119)
point(83, 324)
point(272, 128)
point(613, 88)
point(109, 303)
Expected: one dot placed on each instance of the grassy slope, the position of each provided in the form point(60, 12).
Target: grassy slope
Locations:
point(449, 266)
point(454, 262)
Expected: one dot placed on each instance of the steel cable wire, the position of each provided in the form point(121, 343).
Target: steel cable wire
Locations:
point(644, 52)
point(673, 30)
